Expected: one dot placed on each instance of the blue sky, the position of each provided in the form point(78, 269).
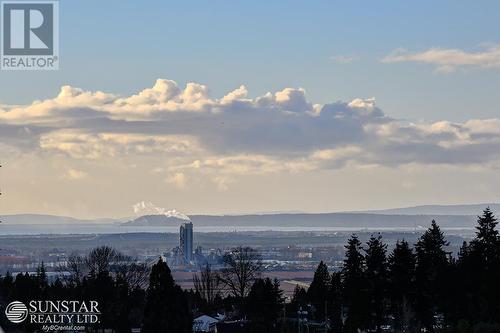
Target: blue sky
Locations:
point(231, 106)
point(123, 46)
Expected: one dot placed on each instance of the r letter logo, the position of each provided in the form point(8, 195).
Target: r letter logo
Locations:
point(30, 35)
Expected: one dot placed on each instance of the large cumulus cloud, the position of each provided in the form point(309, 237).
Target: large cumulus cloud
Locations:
point(236, 134)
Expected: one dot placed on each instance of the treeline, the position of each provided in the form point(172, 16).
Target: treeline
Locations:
point(412, 288)
point(116, 281)
point(133, 295)
point(415, 288)
point(422, 288)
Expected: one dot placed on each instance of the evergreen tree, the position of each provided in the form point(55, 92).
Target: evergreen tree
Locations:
point(7, 288)
point(486, 245)
point(335, 303)
point(100, 287)
point(41, 280)
point(402, 286)
point(464, 303)
point(376, 277)
point(317, 294)
point(57, 290)
point(432, 264)
point(137, 302)
point(464, 252)
point(264, 305)
point(166, 309)
point(121, 305)
point(299, 298)
point(482, 264)
point(355, 287)
point(25, 288)
point(454, 303)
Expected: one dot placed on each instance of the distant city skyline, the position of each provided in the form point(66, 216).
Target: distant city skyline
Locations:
point(223, 107)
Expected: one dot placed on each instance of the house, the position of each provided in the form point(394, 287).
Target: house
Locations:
point(204, 323)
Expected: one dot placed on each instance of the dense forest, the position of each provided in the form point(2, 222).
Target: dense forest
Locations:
point(418, 287)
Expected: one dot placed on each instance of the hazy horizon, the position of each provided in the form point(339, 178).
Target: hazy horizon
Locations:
point(429, 209)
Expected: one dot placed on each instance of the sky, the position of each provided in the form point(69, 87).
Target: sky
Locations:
point(236, 107)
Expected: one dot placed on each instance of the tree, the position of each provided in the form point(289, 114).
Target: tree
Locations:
point(317, 294)
point(432, 264)
point(207, 284)
point(355, 287)
point(167, 309)
point(121, 304)
point(299, 298)
point(335, 302)
point(106, 259)
point(101, 288)
point(41, 280)
point(135, 274)
point(75, 265)
point(479, 263)
point(101, 258)
point(241, 267)
point(486, 244)
point(463, 300)
point(376, 277)
point(402, 286)
point(264, 304)
point(6, 288)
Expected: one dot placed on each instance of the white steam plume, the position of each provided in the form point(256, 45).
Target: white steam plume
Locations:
point(148, 208)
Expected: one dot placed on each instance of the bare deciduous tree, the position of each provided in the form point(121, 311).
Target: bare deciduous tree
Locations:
point(241, 267)
point(207, 284)
point(136, 274)
point(75, 266)
point(102, 258)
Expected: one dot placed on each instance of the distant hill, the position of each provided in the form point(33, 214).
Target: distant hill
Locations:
point(155, 221)
point(409, 217)
point(470, 209)
point(354, 220)
point(50, 219)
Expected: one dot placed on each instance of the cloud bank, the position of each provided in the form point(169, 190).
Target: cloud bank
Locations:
point(190, 132)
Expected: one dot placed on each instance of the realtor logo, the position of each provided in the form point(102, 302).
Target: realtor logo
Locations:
point(30, 35)
point(16, 312)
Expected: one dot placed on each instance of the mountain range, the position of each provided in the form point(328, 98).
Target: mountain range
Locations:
point(456, 216)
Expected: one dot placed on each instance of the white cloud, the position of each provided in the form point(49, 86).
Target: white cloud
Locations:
point(448, 60)
point(222, 182)
point(336, 154)
point(189, 132)
point(344, 59)
point(177, 179)
point(80, 144)
point(235, 95)
point(365, 106)
point(75, 174)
